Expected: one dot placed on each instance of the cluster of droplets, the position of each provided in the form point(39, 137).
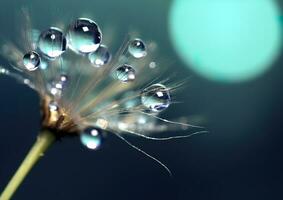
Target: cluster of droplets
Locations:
point(84, 37)
point(57, 86)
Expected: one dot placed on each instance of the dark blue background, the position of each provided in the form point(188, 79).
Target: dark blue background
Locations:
point(241, 157)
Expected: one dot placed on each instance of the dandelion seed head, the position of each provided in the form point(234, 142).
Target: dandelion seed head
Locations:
point(87, 91)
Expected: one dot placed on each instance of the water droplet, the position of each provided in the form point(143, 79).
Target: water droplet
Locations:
point(100, 57)
point(125, 73)
point(156, 97)
point(31, 60)
point(52, 42)
point(84, 36)
point(137, 48)
point(92, 137)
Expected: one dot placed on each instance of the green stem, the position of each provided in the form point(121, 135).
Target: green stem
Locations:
point(43, 142)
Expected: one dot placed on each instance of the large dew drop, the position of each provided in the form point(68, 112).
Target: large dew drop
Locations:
point(125, 73)
point(137, 48)
point(84, 36)
point(92, 138)
point(31, 60)
point(156, 98)
point(52, 42)
point(100, 57)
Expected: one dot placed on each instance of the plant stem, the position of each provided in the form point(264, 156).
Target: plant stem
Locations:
point(43, 142)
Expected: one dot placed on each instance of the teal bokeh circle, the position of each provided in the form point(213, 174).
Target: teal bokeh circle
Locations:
point(226, 40)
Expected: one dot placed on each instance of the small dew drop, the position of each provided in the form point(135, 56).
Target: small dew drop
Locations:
point(125, 73)
point(156, 98)
point(92, 137)
point(137, 48)
point(100, 57)
point(31, 60)
point(84, 36)
point(52, 42)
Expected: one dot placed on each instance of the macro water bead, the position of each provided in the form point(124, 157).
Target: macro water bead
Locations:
point(92, 137)
point(31, 60)
point(156, 97)
point(100, 57)
point(84, 36)
point(137, 48)
point(52, 42)
point(125, 73)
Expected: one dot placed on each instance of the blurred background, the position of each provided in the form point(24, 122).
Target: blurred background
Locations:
point(231, 49)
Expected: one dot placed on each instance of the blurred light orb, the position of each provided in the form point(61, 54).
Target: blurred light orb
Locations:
point(226, 40)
